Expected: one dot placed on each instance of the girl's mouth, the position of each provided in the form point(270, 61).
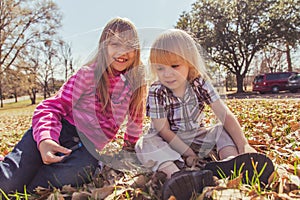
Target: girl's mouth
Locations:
point(121, 60)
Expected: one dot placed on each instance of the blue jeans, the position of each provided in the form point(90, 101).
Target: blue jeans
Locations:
point(24, 166)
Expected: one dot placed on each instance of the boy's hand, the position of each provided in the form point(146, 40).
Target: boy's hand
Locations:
point(191, 161)
point(48, 148)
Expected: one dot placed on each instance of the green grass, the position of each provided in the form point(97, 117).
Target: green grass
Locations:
point(19, 105)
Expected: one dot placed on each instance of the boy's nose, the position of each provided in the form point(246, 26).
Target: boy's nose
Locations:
point(169, 72)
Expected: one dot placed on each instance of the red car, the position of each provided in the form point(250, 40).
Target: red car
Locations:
point(271, 82)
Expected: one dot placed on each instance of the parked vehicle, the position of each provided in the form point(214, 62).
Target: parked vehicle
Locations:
point(294, 83)
point(271, 82)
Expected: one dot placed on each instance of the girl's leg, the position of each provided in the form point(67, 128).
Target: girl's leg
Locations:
point(76, 169)
point(20, 166)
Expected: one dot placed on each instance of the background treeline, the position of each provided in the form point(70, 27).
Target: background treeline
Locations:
point(31, 51)
point(246, 37)
point(240, 37)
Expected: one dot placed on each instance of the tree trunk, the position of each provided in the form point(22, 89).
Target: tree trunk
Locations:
point(239, 83)
point(33, 99)
point(45, 89)
point(16, 95)
point(288, 57)
point(1, 95)
point(32, 96)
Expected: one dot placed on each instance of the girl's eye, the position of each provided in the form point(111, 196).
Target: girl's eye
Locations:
point(115, 44)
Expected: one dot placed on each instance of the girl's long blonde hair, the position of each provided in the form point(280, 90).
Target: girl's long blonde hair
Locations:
point(126, 30)
point(178, 43)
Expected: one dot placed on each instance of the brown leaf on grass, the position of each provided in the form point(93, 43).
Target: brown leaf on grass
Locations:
point(229, 194)
point(118, 193)
point(68, 189)
point(80, 195)
point(102, 193)
point(293, 169)
point(56, 196)
point(294, 126)
point(42, 191)
point(256, 142)
point(257, 117)
point(295, 194)
point(172, 198)
point(235, 183)
point(273, 177)
point(140, 180)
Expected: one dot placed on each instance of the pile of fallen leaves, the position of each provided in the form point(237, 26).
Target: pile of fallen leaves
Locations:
point(271, 126)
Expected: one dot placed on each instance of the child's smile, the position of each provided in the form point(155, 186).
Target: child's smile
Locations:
point(121, 60)
point(120, 54)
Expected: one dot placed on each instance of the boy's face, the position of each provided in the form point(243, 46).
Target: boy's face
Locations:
point(121, 53)
point(173, 75)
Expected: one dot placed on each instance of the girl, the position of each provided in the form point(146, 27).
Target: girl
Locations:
point(175, 104)
point(83, 116)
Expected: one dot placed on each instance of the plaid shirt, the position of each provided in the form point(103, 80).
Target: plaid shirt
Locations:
point(183, 114)
point(78, 103)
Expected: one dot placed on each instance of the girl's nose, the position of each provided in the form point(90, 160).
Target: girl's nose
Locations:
point(122, 50)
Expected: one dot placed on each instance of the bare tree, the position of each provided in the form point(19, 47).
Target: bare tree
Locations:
point(66, 54)
point(24, 23)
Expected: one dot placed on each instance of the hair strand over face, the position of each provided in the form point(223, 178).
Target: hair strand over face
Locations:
point(123, 28)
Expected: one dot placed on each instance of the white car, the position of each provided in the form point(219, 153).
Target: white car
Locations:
point(294, 83)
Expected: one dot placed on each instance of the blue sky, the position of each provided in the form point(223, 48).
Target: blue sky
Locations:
point(83, 20)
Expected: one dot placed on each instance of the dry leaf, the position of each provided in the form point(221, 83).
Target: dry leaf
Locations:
point(235, 183)
point(56, 196)
point(80, 196)
point(102, 193)
point(172, 198)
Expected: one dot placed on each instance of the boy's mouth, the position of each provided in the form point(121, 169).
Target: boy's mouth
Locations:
point(170, 82)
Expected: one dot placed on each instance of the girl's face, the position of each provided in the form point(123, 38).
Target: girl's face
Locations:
point(173, 75)
point(121, 53)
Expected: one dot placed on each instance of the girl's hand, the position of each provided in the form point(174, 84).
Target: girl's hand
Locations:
point(247, 149)
point(48, 150)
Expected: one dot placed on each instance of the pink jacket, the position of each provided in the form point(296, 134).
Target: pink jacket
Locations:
point(77, 102)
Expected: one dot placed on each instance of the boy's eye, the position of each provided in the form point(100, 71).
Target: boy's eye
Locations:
point(174, 66)
point(159, 68)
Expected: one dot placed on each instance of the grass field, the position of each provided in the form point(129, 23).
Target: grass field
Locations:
point(271, 126)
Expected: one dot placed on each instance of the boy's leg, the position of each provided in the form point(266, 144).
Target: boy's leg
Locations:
point(183, 184)
point(227, 152)
point(20, 166)
point(254, 166)
point(253, 163)
point(168, 168)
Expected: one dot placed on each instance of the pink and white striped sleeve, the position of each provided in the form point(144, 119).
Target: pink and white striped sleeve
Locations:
point(46, 121)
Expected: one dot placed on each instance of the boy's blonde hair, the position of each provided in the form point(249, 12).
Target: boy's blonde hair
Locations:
point(125, 29)
point(179, 44)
